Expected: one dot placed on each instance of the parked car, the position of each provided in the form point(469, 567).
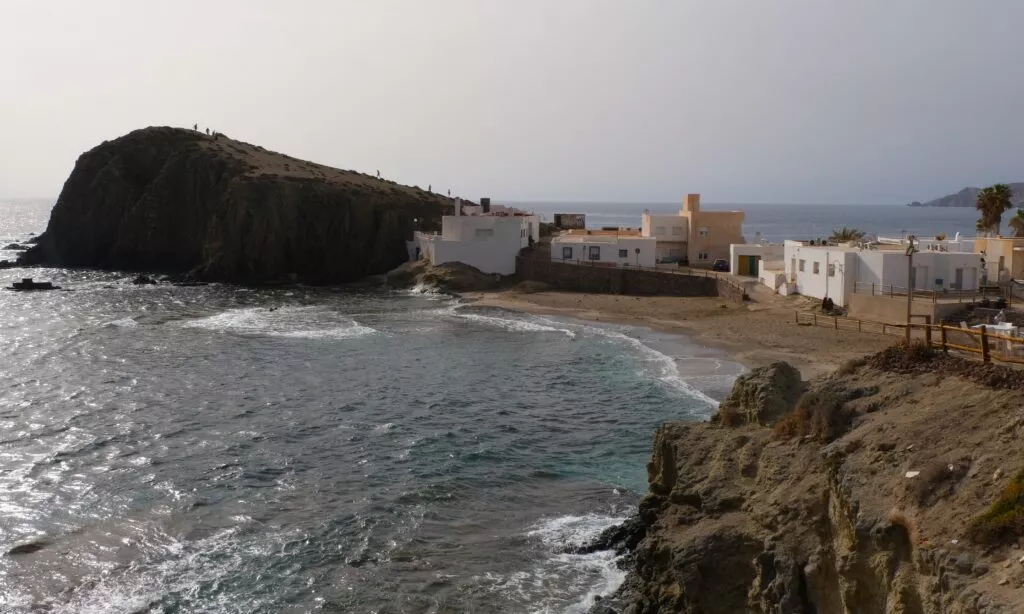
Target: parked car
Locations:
point(720, 265)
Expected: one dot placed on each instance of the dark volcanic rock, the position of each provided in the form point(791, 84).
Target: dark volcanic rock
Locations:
point(172, 200)
point(144, 280)
point(15, 247)
point(28, 548)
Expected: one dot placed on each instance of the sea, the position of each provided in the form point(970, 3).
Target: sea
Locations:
point(226, 449)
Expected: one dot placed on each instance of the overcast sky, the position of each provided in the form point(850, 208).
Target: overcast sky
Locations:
point(836, 101)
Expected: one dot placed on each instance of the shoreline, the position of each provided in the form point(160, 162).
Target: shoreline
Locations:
point(752, 335)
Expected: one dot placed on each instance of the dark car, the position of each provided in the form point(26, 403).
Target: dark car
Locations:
point(720, 265)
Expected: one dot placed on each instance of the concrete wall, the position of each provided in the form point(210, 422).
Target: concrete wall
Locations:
point(890, 267)
point(617, 280)
point(609, 249)
point(1003, 261)
point(893, 309)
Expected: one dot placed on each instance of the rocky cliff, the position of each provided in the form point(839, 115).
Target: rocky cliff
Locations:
point(874, 495)
point(178, 201)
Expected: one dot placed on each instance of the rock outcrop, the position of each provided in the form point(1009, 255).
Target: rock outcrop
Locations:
point(178, 201)
point(754, 519)
point(763, 395)
point(448, 277)
point(968, 196)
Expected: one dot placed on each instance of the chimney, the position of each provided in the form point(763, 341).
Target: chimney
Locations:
point(458, 207)
point(485, 205)
point(692, 203)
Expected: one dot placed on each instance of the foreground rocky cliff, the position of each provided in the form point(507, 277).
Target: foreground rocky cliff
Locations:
point(893, 487)
point(178, 201)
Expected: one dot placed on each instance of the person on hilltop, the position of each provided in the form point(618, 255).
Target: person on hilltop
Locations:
point(378, 173)
point(430, 188)
point(207, 132)
point(195, 127)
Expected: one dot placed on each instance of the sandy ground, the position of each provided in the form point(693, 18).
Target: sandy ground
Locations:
point(754, 334)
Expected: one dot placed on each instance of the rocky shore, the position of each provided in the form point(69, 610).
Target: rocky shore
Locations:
point(181, 202)
point(890, 486)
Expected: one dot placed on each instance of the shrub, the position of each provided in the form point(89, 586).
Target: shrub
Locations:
point(1000, 303)
point(851, 366)
point(821, 413)
point(985, 302)
point(727, 416)
point(1004, 521)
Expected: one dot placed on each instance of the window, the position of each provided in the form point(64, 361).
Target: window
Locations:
point(831, 270)
point(704, 231)
point(623, 253)
point(677, 230)
point(567, 253)
point(816, 267)
point(484, 233)
point(595, 252)
point(802, 265)
point(659, 230)
point(702, 256)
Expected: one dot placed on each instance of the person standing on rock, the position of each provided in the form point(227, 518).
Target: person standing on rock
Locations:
point(195, 127)
point(207, 132)
point(378, 173)
point(430, 188)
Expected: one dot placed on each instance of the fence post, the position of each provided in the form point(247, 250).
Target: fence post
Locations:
point(815, 316)
point(859, 322)
point(796, 317)
point(984, 344)
point(872, 288)
point(836, 321)
point(883, 328)
point(928, 331)
point(942, 333)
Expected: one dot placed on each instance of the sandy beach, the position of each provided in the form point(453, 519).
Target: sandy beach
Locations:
point(757, 333)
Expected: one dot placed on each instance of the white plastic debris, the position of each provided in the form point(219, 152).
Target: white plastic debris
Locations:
point(954, 541)
point(913, 474)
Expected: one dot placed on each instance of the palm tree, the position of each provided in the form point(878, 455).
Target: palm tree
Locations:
point(846, 235)
point(992, 202)
point(1017, 223)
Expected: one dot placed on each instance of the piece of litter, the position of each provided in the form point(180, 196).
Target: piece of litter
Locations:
point(951, 467)
point(913, 474)
point(954, 541)
point(910, 447)
point(1021, 561)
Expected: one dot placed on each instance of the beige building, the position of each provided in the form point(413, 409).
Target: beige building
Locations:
point(1004, 257)
point(693, 236)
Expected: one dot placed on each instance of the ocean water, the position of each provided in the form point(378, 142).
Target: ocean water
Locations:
point(224, 449)
point(777, 223)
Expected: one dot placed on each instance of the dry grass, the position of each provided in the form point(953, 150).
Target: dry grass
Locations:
point(850, 366)
point(1004, 521)
point(821, 413)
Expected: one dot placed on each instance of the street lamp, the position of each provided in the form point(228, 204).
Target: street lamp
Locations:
point(910, 281)
point(637, 257)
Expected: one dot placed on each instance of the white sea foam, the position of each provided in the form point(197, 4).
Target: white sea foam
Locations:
point(287, 322)
point(422, 289)
point(123, 323)
point(515, 325)
point(664, 367)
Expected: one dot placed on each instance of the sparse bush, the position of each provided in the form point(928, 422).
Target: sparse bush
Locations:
point(1004, 521)
point(936, 481)
point(727, 416)
point(820, 413)
point(1000, 303)
point(851, 366)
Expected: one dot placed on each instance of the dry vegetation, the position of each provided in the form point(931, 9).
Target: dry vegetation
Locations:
point(1004, 521)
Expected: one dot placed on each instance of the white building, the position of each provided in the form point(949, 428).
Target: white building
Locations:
point(489, 243)
point(604, 247)
point(748, 259)
point(836, 271)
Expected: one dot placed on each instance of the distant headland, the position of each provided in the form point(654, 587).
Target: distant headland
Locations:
point(967, 197)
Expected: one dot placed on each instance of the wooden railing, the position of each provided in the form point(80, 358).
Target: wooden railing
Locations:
point(979, 341)
point(933, 296)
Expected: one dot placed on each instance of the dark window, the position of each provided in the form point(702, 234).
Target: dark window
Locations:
point(623, 253)
point(595, 252)
point(566, 253)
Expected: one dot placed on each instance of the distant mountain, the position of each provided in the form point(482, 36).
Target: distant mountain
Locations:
point(967, 196)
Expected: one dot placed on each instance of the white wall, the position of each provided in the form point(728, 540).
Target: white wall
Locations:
point(837, 286)
point(610, 250)
point(494, 252)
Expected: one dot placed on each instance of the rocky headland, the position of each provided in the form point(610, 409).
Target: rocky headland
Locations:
point(212, 208)
point(894, 485)
point(967, 197)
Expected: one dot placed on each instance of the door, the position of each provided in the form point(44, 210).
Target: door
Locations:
point(920, 277)
point(744, 266)
point(958, 280)
point(970, 279)
point(754, 265)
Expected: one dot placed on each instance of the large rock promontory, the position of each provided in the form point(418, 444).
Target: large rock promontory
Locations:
point(179, 201)
point(892, 487)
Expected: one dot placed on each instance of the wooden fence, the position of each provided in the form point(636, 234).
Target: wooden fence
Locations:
point(978, 342)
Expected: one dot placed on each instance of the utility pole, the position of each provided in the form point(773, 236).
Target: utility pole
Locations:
point(910, 282)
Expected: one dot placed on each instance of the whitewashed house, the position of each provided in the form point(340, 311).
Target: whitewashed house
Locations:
point(837, 271)
point(489, 243)
point(609, 248)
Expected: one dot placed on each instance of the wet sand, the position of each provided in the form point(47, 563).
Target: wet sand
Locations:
point(757, 333)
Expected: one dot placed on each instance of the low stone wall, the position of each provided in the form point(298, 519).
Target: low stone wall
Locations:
point(624, 280)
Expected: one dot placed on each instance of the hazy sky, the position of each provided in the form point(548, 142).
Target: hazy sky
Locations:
point(848, 101)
